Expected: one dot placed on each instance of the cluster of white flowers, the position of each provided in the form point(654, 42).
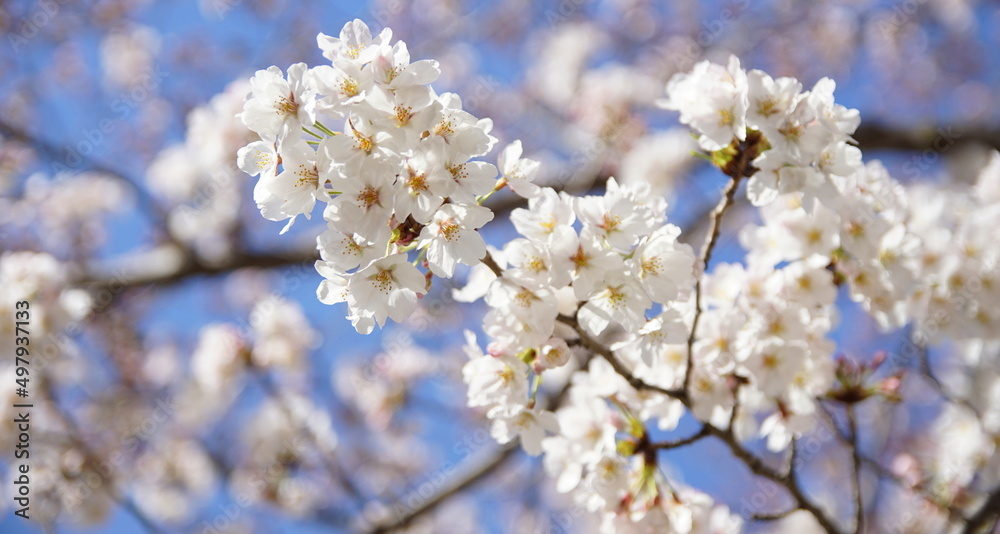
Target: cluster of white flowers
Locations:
point(623, 262)
point(400, 178)
point(955, 259)
point(397, 178)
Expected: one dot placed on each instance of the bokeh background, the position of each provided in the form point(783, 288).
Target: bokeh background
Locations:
point(117, 160)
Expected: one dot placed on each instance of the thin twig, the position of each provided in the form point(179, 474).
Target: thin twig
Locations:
point(472, 474)
point(739, 167)
point(755, 464)
point(774, 516)
point(665, 445)
point(852, 429)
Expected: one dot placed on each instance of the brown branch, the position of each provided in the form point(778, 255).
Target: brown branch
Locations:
point(474, 474)
point(872, 137)
point(121, 278)
point(885, 473)
point(616, 364)
point(869, 137)
point(852, 429)
point(665, 445)
point(788, 480)
point(53, 151)
point(775, 516)
point(989, 510)
point(755, 464)
point(739, 167)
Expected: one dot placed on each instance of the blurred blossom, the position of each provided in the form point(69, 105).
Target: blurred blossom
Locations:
point(86, 198)
point(199, 178)
point(127, 55)
point(43, 281)
point(282, 335)
point(659, 160)
point(221, 355)
point(563, 55)
point(172, 478)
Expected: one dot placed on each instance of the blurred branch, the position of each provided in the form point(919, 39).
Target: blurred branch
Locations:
point(54, 154)
point(859, 511)
point(472, 474)
point(989, 509)
point(107, 484)
point(168, 265)
point(880, 137)
point(665, 445)
point(885, 473)
point(774, 516)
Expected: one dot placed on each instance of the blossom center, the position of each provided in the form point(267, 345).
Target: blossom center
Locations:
point(581, 258)
point(307, 175)
point(286, 105)
point(383, 280)
point(610, 223)
point(458, 172)
point(349, 86)
point(354, 51)
point(449, 229)
point(417, 182)
point(767, 106)
point(403, 114)
point(652, 265)
point(368, 197)
point(444, 128)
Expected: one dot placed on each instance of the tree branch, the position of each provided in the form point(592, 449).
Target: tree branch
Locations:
point(852, 429)
point(739, 167)
point(988, 510)
point(472, 474)
point(755, 464)
point(665, 445)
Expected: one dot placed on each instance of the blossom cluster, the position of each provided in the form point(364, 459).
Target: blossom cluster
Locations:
point(397, 177)
point(744, 347)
